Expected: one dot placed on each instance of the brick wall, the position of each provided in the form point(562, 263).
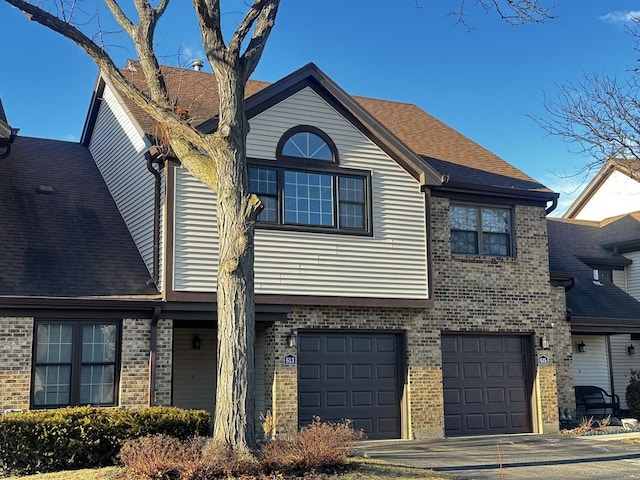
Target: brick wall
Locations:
point(471, 294)
point(16, 336)
point(134, 376)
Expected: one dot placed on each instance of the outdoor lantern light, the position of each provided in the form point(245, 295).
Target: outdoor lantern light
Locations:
point(291, 338)
point(582, 347)
point(196, 343)
point(631, 350)
point(544, 342)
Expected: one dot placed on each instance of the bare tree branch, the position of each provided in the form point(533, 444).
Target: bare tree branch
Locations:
point(513, 12)
point(600, 115)
point(264, 24)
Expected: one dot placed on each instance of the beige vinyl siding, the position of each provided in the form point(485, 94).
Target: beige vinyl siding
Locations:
point(623, 363)
point(591, 367)
point(118, 150)
point(194, 371)
point(632, 273)
point(391, 264)
point(619, 279)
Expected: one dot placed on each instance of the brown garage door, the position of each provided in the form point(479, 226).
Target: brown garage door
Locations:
point(487, 384)
point(349, 375)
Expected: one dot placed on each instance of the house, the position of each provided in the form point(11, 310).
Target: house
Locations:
point(594, 250)
point(402, 274)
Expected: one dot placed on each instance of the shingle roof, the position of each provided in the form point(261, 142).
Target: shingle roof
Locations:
point(571, 241)
point(69, 243)
point(457, 158)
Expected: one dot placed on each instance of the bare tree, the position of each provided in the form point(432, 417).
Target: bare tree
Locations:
point(600, 116)
point(218, 159)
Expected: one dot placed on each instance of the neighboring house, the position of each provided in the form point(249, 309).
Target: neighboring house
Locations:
point(597, 246)
point(613, 191)
point(7, 134)
point(402, 275)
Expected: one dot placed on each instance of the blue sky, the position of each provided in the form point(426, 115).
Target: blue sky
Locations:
point(484, 83)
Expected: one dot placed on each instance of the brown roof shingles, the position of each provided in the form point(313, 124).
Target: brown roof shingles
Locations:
point(454, 156)
point(69, 241)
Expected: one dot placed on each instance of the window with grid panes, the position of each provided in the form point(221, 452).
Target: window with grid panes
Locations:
point(477, 230)
point(75, 363)
point(307, 188)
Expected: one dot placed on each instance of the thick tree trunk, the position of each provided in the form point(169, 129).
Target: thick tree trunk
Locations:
point(234, 415)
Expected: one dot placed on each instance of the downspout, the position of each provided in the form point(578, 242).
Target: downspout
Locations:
point(153, 346)
point(154, 156)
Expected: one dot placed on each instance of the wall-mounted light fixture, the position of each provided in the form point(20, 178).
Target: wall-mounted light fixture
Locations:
point(631, 350)
point(544, 342)
point(291, 338)
point(582, 347)
point(196, 343)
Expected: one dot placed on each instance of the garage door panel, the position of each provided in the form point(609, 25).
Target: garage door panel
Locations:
point(515, 370)
point(361, 345)
point(387, 398)
point(450, 370)
point(470, 345)
point(491, 396)
point(310, 399)
point(309, 372)
point(472, 370)
point(494, 370)
point(361, 372)
point(336, 372)
point(359, 381)
point(309, 344)
point(452, 396)
point(473, 395)
point(497, 421)
point(336, 399)
point(386, 345)
point(362, 399)
point(388, 372)
point(496, 395)
point(336, 344)
point(493, 345)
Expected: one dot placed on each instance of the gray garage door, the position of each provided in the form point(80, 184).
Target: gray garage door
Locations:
point(351, 376)
point(487, 385)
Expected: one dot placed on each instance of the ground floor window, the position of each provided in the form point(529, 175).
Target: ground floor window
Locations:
point(75, 363)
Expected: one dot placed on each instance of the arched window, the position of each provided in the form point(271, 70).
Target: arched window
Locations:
point(307, 190)
point(307, 142)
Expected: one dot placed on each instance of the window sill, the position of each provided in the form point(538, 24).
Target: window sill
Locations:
point(461, 257)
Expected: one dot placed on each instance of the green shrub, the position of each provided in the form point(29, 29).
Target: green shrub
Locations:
point(41, 441)
point(633, 394)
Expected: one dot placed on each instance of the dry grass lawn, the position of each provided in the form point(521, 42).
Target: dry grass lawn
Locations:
point(367, 469)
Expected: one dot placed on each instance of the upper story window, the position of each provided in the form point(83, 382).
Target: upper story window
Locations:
point(75, 363)
point(308, 144)
point(481, 230)
point(307, 189)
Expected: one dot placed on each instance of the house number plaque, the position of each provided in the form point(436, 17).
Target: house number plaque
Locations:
point(543, 360)
point(291, 360)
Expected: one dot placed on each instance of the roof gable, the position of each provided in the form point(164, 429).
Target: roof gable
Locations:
point(427, 148)
point(612, 176)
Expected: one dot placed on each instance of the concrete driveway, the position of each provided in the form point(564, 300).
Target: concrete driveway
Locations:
point(538, 457)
